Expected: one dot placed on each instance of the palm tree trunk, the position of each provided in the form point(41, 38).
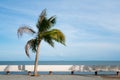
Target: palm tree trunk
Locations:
point(36, 61)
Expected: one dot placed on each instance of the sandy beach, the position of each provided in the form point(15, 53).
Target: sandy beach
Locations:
point(55, 77)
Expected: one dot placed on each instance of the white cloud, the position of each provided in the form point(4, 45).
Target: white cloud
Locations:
point(103, 14)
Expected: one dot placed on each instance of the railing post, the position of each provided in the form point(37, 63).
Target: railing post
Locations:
point(7, 72)
point(96, 73)
point(118, 73)
point(29, 73)
point(50, 72)
point(72, 72)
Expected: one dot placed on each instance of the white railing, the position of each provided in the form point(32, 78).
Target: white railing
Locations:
point(60, 68)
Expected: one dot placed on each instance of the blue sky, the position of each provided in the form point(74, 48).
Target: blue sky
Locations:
point(91, 27)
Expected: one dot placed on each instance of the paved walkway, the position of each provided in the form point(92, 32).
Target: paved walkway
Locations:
point(55, 77)
point(48, 77)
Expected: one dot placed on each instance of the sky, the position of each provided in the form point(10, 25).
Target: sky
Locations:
point(91, 28)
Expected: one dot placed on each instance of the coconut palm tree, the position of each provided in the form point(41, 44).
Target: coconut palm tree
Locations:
point(45, 33)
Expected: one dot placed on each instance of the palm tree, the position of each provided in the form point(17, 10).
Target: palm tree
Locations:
point(45, 33)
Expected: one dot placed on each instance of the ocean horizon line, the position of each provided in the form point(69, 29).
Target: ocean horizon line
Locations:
point(60, 62)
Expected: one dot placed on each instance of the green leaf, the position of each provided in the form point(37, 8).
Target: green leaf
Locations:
point(54, 34)
point(31, 44)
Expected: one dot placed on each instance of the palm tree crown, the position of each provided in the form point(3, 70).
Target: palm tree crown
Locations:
point(44, 32)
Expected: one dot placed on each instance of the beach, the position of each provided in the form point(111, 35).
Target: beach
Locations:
point(55, 77)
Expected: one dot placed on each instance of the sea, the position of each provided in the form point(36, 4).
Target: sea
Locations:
point(89, 63)
point(60, 63)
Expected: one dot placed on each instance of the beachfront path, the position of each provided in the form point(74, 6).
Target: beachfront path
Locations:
point(47, 77)
point(51, 77)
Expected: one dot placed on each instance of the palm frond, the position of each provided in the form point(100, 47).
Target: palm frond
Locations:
point(43, 23)
point(31, 44)
point(56, 35)
point(44, 26)
point(24, 29)
point(49, 40)
point(42, 15)
point(52, 20)
point(41, 18)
